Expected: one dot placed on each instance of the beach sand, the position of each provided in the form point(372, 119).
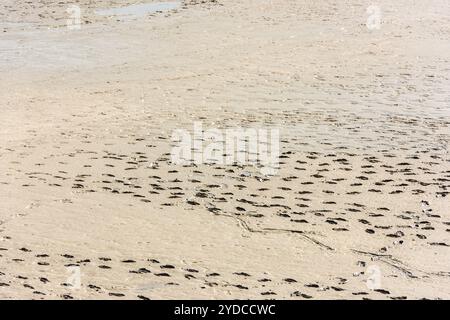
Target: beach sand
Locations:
point(92, 207)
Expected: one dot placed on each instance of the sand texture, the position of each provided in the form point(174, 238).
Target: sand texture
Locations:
point(92, 207)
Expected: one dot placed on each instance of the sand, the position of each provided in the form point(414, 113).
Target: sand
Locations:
point(92, 207)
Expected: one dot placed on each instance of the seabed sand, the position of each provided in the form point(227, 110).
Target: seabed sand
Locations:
point(92, 207)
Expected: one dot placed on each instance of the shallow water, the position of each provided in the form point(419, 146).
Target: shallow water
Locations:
point(138, 10)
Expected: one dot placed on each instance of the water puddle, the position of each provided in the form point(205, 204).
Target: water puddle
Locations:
point(138, 10)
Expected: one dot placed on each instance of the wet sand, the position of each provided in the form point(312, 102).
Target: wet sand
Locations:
point(92, 207)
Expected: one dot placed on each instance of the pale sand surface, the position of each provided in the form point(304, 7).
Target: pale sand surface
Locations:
point(86, 178)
